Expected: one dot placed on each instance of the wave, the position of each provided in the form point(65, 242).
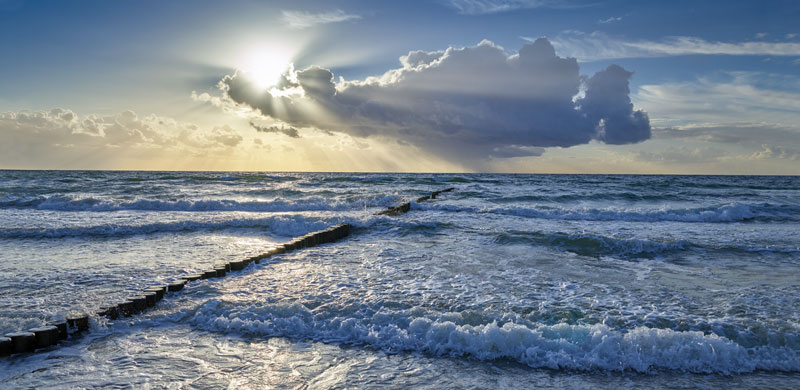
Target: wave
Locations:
point(594, 245)
point(765, 249)
point(776, 183)
point(559, 346)
point(562, 198)
point(285, 225)
point(215, 178)
point(736, 212)
point(586, 244)
point(75, 203)
point(359, 179)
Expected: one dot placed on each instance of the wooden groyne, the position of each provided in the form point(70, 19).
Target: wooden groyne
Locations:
point(405, 207)
point(52, 334)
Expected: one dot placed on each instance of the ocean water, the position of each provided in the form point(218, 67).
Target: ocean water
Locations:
point(510, 281)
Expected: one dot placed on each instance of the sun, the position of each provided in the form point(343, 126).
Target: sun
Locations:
point(264, 67)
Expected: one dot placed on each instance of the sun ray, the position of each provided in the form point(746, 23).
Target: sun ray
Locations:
point(265, 65)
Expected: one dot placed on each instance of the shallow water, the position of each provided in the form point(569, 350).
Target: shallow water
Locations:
point(565, 281)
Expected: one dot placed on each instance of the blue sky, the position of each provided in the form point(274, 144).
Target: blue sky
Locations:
point(142, 85)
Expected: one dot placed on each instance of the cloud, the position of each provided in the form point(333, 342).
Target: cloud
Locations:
point(285, 130)
point(610, 20)
point(738, 134)
point(225, 135)
point(516, 151)
point(36, 138)
point(681, 155)
point(737, 111)
point(773, 152)
point(64, 127)
point(599, 46)
point(715, 134)
point(303, 19)
point(462, 103)
point(724, 158)
point(481, 7)
point(742, 121)
point(741, 99)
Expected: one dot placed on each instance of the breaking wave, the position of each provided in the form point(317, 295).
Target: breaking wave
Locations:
point(284, 225)
point(594, 245)
point(559, 346)
point(72, 203)
point(736, 212)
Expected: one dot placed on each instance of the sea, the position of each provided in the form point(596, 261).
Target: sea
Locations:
point(509, 281)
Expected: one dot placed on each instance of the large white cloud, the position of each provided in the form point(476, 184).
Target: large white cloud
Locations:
point(461, 102)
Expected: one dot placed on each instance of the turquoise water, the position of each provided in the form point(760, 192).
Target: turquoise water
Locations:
point(510, 281)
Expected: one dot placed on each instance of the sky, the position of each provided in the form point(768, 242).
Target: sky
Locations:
point(522, 86)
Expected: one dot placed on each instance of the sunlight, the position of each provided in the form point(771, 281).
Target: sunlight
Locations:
point(264, 66)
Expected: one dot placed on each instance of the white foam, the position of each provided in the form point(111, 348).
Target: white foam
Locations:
point(561, 346)
point(77, 203)
point(736, 212)
point(281, 225)
point(596, 245)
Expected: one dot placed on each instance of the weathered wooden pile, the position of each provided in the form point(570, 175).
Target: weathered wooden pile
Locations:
point(405, 207)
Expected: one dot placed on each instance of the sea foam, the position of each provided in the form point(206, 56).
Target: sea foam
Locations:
point(735, 212)
point(77, 203)
point(559, 346)
point(593, 244)
point(280, 225)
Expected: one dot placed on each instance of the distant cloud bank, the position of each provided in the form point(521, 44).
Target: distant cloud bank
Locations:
point(462, 103)
point(58, 137)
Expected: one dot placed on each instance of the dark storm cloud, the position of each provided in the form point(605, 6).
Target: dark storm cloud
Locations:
point(472, 102)
point(607, 100)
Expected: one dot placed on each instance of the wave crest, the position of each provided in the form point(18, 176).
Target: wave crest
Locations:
point(70, 203)
point(560, 346)
point(285, 225)
point(736, 212)
point(594, 245)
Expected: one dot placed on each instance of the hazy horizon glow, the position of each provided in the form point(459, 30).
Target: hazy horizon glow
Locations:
point(490, 86)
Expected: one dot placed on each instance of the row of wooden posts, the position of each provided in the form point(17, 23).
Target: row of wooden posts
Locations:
point(52, 334)
point(405, 207)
